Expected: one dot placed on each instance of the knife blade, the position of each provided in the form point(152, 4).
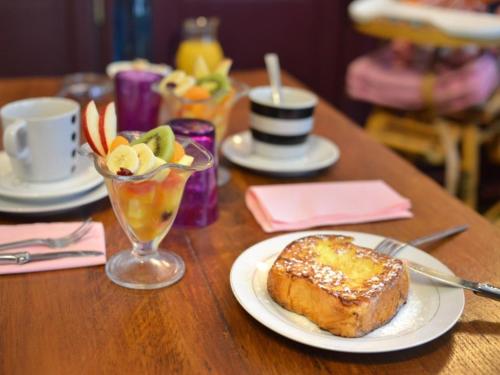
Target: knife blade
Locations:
point(481, 289)
point(26, 257)
point(438, 235)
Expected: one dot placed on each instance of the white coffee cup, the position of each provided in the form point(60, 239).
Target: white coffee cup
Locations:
point(280, 131)
point(41, 137)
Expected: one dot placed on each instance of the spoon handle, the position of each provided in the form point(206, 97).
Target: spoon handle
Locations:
point(273, 70)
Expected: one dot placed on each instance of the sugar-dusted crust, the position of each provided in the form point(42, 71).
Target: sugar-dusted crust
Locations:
point(343, 288)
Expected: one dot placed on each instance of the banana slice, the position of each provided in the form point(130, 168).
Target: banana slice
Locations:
point(146, 158)
point(177, 82)
point(161, 175)
point(175, 77)
point(184, 85)
point(123, 156)
point(159, 162)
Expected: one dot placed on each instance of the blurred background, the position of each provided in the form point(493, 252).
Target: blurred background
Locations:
point(315, 40)
point(57, 37)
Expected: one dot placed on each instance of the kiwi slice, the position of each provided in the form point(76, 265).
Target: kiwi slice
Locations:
point(160, 140)
point(216, 83)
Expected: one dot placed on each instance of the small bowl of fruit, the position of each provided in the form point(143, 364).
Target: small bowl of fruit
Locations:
point(205, 95)
point(145, 175)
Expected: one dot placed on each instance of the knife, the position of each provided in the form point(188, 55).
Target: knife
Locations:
point(436, 236)
point(481, 289)
point(26, 257)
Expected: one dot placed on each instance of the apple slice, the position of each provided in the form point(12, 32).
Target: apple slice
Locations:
point(107, 127)
point(91, 128)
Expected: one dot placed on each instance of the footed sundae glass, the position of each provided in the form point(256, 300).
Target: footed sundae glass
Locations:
point(146, 206)
point(216, 110)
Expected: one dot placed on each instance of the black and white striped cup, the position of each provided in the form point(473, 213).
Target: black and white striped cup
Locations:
point(280, 131)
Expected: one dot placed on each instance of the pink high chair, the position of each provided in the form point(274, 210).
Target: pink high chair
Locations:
point(434, 86)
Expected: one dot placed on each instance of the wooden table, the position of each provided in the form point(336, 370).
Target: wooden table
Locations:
point(78, 322)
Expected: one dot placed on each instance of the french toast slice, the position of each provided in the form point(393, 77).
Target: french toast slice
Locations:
point(343, 288)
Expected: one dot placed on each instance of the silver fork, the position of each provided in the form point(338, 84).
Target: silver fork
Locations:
point(391, 247)
point(73, 237)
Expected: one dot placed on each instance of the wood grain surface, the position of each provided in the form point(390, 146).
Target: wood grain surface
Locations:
point(78, 322)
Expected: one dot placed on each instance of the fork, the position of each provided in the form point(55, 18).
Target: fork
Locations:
point(64, 241)
point(391, 247)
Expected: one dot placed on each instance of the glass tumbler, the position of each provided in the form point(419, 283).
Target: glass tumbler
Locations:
point(137, 105)
point(199, 203)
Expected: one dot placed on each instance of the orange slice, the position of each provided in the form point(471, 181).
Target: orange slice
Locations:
point(178, 152)
point(119, 140)
point(197, 93)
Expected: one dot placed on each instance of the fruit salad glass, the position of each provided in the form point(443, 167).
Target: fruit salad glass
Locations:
point(146, 206)
point(216, 110)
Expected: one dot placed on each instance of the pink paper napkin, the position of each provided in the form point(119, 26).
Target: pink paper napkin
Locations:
point(299, 206)
point(93, 240)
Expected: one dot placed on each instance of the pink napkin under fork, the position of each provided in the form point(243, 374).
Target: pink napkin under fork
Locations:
point(287, 207)
point(93, 240)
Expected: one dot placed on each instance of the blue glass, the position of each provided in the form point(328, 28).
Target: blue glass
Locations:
point(132, 29)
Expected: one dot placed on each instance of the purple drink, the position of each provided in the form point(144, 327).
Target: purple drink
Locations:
point(199, 202)
point(137, 105)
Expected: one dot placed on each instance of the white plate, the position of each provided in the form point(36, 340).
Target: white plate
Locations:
point(430, 311)
point(52, 206)
point(238, 149)
point(84, 178)
point(139, 64)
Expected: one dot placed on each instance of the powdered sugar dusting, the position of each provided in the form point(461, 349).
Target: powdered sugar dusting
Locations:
point(408, 318)
point(300, 258)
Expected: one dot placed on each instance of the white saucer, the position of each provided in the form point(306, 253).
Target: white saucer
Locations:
point(84, 178)
point(323, 153)
point(52, 206)
point(431, 310)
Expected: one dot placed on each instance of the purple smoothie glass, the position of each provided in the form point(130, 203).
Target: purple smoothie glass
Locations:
point(199, 203)
point(137, 105)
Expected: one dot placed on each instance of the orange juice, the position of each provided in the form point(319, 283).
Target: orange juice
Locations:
point(199, 39)
point(190, 49)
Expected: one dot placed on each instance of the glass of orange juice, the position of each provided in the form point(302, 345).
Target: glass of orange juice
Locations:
point(199, 40)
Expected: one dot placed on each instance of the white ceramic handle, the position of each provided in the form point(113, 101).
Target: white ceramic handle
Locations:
point(14, 140)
